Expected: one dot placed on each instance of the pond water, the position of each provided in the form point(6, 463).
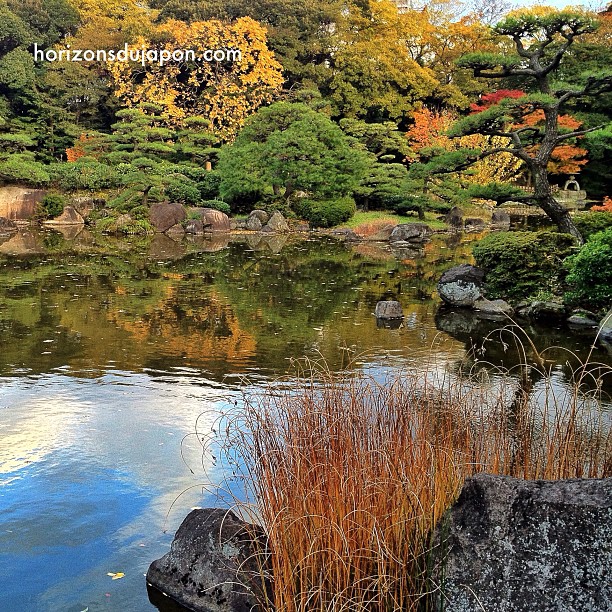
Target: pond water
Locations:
point(111, 349)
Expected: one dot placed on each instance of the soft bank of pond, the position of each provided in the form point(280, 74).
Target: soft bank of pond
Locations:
point(110, 349)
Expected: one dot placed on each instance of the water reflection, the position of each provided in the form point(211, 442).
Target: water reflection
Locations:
point(111, 349)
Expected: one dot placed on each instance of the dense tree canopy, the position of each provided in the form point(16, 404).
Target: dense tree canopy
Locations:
point(362, 96)
point(286, 148)
point(540, 40)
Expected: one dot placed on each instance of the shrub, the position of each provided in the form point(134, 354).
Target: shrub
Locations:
point(209, 184)
point(590, 272)
point(326, 213)
point(589, 223)
point(183, 190)
point(21, 169)
point(223, 207)
point(85, 173)
point(519, 264)
point(52, 205)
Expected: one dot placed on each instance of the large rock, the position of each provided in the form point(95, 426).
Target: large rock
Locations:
point(389, 310)
point(582, 318)
point(410, 232)
point(276, 224)
point(69, 216)
point(541, 310)
point(511, 545)
point(605, 328)
point(493, 307)
point(474, 224)
point(261, 215)
point(164, 215)
point(461, 286)
point(253, 224)
point(7, 226)
point(214, 220)
point(213, 564)
point(500, 220)
point(20, 203)
point(454, 217)
point(194, 227)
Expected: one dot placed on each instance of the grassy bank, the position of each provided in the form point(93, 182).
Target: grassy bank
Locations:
point(380, 218)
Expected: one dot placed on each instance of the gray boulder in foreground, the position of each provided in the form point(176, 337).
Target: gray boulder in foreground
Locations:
point(213, 565)
point(461, 286)
point(511, 545)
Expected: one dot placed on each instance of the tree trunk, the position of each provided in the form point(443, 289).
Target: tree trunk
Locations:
point(544, 199)
point(145, 195)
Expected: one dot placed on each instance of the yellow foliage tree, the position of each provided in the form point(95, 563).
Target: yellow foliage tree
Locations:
point(108, 24)
point(372, 65)
point(226, 93)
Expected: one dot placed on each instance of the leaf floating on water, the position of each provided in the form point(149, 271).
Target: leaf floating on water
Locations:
point(116, 576)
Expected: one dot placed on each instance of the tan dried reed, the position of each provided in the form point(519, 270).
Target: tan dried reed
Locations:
point(350, 473)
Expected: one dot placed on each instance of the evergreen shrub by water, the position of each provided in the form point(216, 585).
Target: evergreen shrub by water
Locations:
point(326, 213)
point(590, 272)
point(521, 264)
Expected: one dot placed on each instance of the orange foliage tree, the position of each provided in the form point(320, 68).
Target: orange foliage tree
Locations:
point(566, 158)
point(429, 132)
point(79, 149)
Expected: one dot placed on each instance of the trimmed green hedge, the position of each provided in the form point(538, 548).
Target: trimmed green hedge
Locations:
point(590, 272)
point(326, 213)
point(519, 265)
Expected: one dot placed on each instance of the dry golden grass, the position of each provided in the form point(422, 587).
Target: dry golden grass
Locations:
point(349, 473)
point(369, 228)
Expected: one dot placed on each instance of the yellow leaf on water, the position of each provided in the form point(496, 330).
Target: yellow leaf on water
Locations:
point(116, 576)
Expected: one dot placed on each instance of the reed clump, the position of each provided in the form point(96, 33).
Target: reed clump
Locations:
point(349, 474)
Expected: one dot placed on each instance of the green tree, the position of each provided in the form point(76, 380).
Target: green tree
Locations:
point(540, 41)
point(289, 147)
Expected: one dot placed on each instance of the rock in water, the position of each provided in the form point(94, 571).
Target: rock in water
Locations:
point(276, 224)
point(461, 286)
point(389, 310)
point(69, 216)
point(213, 564)
point(455, 217)
point(410, 232)
point(500, 220)
point(253, 224)
point(605, 328)
point(524, 546)
point(164, 215)
point(262, 215)
point(213, 220)
point(494, 307)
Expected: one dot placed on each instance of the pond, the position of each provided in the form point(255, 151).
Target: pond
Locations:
point(111, 349)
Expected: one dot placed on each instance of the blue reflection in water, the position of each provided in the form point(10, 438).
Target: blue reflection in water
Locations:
point(58, 525)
